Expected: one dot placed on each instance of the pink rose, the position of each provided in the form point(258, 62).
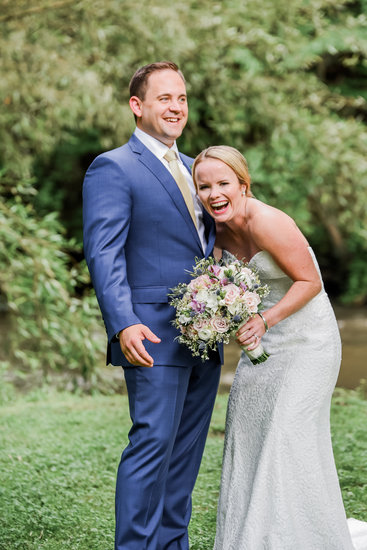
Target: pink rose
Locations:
point(199, 324)
point(219, 324)
point(232, 293)
point(252, 300)
point(201, 282)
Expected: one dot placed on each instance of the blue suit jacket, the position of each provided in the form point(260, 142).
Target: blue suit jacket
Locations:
point(139, 242)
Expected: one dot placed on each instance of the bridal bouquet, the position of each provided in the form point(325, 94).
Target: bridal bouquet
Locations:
point(221, 297)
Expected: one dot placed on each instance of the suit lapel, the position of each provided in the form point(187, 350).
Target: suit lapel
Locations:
point(156, 167)
point(207, 219)
point(209, 232)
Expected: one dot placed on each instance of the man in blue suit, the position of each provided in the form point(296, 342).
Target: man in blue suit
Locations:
point(142, 233)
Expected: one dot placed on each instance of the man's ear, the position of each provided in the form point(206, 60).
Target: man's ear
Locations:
point(135, 105)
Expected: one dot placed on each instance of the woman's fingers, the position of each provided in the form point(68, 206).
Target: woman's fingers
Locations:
point(250, 334)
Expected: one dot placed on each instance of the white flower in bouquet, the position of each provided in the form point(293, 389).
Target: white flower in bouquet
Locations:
point(218, 300)
point(205, 334)
point(208, 298)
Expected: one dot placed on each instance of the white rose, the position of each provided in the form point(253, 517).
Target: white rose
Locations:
point(236, 308)
point(184, 319)
point(210, 299)
point(232, 267)
point(245, 276)
point(202, 296)
point(205, 334)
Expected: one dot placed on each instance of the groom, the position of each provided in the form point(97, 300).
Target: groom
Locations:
point(143, 228)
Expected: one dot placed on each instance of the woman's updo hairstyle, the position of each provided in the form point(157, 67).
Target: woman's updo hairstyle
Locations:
point(230, 156)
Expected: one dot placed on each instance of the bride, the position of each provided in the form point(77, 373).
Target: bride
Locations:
point(279, 487)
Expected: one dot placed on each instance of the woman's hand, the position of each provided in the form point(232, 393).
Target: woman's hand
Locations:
point(249, 335)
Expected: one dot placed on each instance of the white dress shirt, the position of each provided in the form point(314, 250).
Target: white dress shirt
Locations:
point(159, 149)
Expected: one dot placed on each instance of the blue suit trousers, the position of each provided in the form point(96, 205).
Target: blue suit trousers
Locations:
point(170, 408)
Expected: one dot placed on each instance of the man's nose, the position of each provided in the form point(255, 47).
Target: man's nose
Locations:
point(175, 106)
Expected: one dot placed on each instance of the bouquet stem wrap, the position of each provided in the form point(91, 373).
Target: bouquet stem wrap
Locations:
point(257, 355)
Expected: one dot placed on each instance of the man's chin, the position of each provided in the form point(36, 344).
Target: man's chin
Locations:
point(169, 139)
point(173, 133)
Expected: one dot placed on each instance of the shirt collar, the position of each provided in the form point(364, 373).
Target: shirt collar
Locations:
point(158, 148)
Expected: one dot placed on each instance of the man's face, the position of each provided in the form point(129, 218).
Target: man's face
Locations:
point(163, 111)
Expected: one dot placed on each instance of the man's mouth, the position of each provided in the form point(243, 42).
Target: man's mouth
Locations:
point(172, 119)
point(219, 207)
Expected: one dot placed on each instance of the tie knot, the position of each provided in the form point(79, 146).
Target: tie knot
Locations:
point(170, 155)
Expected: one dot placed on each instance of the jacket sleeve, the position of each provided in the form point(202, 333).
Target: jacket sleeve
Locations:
point(107, 207)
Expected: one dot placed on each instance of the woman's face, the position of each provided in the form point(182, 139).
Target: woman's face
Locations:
point(219, 189)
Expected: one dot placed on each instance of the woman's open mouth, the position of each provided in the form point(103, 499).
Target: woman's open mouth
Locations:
point(219, 207)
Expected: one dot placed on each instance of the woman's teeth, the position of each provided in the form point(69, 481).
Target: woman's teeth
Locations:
point(219, 205)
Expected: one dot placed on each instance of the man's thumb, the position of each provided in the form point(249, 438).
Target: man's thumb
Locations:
point(151, 336)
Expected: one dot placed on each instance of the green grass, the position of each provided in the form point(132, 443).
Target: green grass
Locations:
point(58, 461)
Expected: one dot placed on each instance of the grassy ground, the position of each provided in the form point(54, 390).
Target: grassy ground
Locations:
point(58, 460)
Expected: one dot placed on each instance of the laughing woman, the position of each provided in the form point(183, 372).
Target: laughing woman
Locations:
point(279, 488)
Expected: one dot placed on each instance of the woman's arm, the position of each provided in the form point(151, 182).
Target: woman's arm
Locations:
point(275, 232)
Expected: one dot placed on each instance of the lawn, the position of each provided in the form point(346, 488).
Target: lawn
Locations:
point(58, 460)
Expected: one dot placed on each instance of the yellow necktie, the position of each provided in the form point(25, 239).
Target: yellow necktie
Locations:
point(171, 158)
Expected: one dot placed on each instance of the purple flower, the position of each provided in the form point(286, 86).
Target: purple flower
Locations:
point(215, 269)
point(199, 307)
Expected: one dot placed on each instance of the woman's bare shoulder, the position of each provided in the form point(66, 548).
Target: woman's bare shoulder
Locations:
point(268, 224)
point(259, 208)
point(263, 215)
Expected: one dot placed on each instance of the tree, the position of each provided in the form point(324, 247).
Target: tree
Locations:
point(284, 84)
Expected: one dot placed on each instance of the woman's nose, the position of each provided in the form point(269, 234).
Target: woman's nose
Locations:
point(214, 192)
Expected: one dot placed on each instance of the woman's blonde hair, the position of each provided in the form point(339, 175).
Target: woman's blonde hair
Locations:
point(232, 158)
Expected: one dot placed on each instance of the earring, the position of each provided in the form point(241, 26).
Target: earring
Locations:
point(243, 193)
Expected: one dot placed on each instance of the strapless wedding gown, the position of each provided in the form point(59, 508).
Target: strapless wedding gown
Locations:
point(279, 488)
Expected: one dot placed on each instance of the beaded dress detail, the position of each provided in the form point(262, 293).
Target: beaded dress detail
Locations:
point(280, 489)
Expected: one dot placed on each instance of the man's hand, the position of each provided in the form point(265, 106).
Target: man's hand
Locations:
point(132, 347)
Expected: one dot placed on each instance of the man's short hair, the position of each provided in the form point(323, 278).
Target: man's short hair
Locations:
point(138, 83)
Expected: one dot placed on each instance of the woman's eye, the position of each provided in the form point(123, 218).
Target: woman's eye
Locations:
point(202, 187)
point(224, 182)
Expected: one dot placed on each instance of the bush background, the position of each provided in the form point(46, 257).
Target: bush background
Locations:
point(282, 81)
